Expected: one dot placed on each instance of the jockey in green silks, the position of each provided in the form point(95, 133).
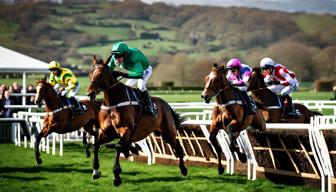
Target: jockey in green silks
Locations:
point(138, 67)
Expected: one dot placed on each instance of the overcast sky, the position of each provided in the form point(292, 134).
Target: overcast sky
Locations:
point(312, 6)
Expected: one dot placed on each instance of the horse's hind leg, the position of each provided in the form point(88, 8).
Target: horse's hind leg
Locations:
point(179, 152)
point(169, 136)
point(86, 145)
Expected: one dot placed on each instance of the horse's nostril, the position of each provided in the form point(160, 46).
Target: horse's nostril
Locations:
point(202, 96)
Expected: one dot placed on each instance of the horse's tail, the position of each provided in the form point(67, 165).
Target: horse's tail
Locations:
point(178, 119)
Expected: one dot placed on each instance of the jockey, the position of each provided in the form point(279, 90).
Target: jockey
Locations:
point(281, 81)
point(64, 77)
point(138, 67)
point(238, 75)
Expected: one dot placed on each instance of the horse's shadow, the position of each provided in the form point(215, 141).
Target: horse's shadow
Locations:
point(210, 179)
point(61, 168)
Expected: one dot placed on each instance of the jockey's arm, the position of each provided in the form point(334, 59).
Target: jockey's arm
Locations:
point(137, 71)
point(71, 81)
point(288, 79)
point(52, 82)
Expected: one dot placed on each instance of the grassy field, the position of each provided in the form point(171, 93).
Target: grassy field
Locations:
point(72, 172)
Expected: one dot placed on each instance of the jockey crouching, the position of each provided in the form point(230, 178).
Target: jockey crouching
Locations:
point(239, 75)
point(66, 78)
point(281, 81)
point(138, 67)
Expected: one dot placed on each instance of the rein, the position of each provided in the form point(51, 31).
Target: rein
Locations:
point(222, 90)
point(259, 89)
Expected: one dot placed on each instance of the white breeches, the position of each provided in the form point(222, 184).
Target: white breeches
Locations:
point(283, 90)
point(74, 91)
point(141, 82)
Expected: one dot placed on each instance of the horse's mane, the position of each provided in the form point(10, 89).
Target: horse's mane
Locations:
point(48, 85)
point(258, 73)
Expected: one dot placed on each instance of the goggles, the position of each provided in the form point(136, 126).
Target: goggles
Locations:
point(117, 55)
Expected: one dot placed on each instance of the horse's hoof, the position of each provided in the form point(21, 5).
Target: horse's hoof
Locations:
point(96, 175)
point(117, 182)
point(220, 170)
point(88, 154)
point(184, 170)
point(38, 161)
point(242, 157)
point(134, 150)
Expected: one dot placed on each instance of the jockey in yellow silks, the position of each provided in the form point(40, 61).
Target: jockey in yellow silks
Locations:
point(63, 77)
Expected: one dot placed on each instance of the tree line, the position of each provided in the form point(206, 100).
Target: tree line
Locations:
point(250, 34)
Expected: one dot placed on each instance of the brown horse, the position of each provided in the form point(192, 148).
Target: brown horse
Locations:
point(61, 119)
point(271, 104)
point(123, 117)
point(230, 112)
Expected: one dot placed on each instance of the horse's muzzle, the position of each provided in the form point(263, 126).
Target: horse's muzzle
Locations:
point(206, 98)
point(38, 103)
point(92, 95)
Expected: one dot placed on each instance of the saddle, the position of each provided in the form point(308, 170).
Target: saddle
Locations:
point(134, 97)
point(76, 106)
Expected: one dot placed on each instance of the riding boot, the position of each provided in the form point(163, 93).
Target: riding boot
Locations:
point(291, 111)
point(149, 105)
point(64, 100)
point(77, 107)
point(250, 103)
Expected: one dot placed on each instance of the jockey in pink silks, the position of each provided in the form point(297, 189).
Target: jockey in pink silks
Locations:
point(238, 75)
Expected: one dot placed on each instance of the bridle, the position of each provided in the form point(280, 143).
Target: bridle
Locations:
point(101, 86)
point(220, 90)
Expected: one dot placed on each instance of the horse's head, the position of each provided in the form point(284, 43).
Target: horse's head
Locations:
point(41, 91)
point(256, 80)
point(214, 82)
point(100, 78)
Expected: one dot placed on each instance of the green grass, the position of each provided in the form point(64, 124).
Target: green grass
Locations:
point(72, 172)
point(7, 30)
point(310, 23)
point(113, 33)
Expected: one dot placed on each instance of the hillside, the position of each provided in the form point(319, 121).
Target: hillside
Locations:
point(184, 38)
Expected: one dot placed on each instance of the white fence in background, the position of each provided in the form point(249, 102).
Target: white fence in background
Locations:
point(201, 115)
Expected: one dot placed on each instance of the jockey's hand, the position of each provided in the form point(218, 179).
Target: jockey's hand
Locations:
point(274, 83)
point(63, 93)
point(120, 74)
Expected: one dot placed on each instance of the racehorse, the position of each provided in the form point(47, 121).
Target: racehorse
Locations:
point(61, 119)
point(229, 113)
point(123, 117)
point(271, 104)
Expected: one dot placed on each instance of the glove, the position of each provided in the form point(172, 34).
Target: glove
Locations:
point(63, 93)
point(274, 83)
point(120, 74)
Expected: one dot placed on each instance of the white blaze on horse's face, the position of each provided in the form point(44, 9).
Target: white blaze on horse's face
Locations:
point(211, 76)
point(37, 95)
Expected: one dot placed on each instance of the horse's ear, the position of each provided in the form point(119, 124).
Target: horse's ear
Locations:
point(94, 61)
point(45, 78)
point(107, 60)
point(257, 70)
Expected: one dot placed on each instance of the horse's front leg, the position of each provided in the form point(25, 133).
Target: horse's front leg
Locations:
point(117, 169)
point(100, 138)
point(233, 130)
point(39, 136)
point(213, 139)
